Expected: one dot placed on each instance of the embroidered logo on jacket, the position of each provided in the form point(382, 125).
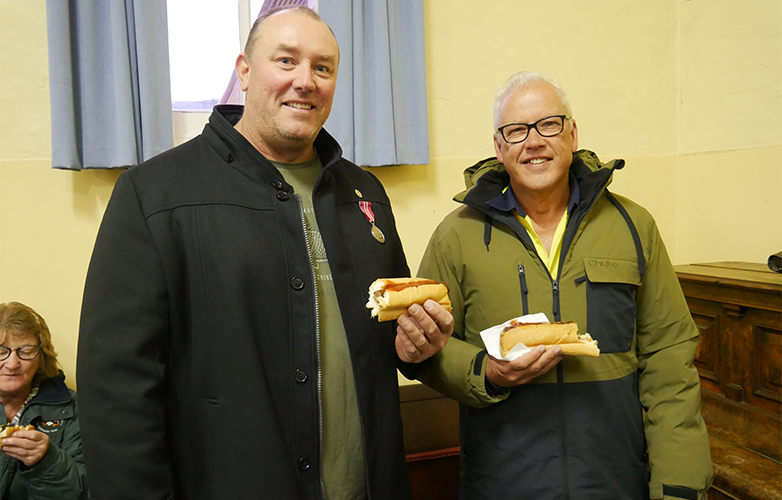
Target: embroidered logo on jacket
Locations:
point(49, 426)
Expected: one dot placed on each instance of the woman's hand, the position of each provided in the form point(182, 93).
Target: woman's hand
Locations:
point(28, 447)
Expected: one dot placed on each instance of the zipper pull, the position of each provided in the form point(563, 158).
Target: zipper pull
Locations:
point(524, 289)
point(522, 278)
point(555, 291)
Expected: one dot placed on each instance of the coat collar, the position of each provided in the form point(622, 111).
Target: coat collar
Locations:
point(236, 150)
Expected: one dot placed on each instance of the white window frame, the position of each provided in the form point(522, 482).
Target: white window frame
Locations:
point(188, 124)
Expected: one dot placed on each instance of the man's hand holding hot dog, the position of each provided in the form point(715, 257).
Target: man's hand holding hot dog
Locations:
point(524, 368)
point(421, 308)
point(423, 331)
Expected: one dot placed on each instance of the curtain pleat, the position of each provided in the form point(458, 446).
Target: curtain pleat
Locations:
point(380, 107)
point(109, 82)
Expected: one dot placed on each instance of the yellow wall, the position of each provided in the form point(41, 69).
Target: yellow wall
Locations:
point(687, 91)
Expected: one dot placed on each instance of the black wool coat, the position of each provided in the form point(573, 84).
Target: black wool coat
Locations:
point(197, 362)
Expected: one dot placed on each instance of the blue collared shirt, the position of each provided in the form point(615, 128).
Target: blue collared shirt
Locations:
point(507, 200)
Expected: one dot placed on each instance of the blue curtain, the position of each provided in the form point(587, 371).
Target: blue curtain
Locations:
point(380, 109)
point(109, 82)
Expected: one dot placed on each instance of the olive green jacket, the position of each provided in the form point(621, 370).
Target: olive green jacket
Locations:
point(583, 430)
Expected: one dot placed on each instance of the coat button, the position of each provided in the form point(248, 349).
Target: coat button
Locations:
point(304, 463)
point(297, 283)
point(301, 376)
point(282, 195)
point(277, 184)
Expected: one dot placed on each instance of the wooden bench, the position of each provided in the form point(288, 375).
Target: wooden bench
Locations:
point(737, 307)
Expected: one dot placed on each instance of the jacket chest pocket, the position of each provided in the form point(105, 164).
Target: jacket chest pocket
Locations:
point(611, 285)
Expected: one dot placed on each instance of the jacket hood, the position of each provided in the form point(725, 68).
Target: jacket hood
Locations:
point(581, 157)
point(488, 178)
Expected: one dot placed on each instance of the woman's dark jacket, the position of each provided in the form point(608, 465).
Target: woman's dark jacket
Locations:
point(198, 360)
point(60, 474)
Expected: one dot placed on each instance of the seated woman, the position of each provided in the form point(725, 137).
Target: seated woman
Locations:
point(45, 462)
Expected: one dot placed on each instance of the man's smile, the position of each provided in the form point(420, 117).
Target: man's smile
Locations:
point(299, 105)
point(536, 161)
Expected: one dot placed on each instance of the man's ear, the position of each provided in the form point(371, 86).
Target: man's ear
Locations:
point(498, 146)
point(574, 135)
point(243, 71)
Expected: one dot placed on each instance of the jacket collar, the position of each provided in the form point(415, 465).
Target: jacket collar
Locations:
point(507, 201)
point(53, 390)
point(236, 150)
point(487, 179)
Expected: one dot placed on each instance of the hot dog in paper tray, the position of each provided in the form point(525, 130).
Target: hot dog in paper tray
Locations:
point(517, 336)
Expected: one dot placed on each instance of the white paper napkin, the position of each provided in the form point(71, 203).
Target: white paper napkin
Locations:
point(491, 337)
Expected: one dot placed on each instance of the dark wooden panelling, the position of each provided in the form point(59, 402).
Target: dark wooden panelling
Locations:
point(767, 369)
point(434, 475)
point(738, 310)
point(707, 358)
point(431, 433)
point(430, 420)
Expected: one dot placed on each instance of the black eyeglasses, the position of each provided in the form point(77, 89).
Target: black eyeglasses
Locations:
point(514, 133)
point(26, 352)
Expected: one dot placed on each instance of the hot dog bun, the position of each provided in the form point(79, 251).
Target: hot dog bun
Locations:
point(10, 429)
point(390, 297)
point(564, 335)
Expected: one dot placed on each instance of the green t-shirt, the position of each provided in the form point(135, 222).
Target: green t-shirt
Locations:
point(342, 448)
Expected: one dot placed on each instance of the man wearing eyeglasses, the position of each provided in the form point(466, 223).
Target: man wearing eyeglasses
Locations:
point(539, 232)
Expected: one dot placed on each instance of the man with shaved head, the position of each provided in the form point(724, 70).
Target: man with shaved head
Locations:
point(225, 351)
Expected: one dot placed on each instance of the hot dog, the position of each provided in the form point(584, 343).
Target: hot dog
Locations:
point(564, 335)
point(390, 297)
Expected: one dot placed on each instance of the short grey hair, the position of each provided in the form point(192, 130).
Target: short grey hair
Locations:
point(522, 79)
point(255, 31)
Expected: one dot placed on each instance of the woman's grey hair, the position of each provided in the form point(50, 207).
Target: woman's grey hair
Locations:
point(522, 79)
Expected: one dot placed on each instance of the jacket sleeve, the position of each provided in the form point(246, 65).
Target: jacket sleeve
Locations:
point(677, 440)
point(60, 475)
point(122, 338)
point(458, 371)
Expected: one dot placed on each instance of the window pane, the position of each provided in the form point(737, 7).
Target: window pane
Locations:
point(255, 8)
point(203, 40)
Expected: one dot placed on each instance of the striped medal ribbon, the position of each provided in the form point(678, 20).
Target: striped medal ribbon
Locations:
point(366, 207)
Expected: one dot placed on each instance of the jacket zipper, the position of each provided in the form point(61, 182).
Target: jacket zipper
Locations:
point(555, 309)
point(563, 412)
point(555, 296)
point(317, 345)
point(524, 289)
